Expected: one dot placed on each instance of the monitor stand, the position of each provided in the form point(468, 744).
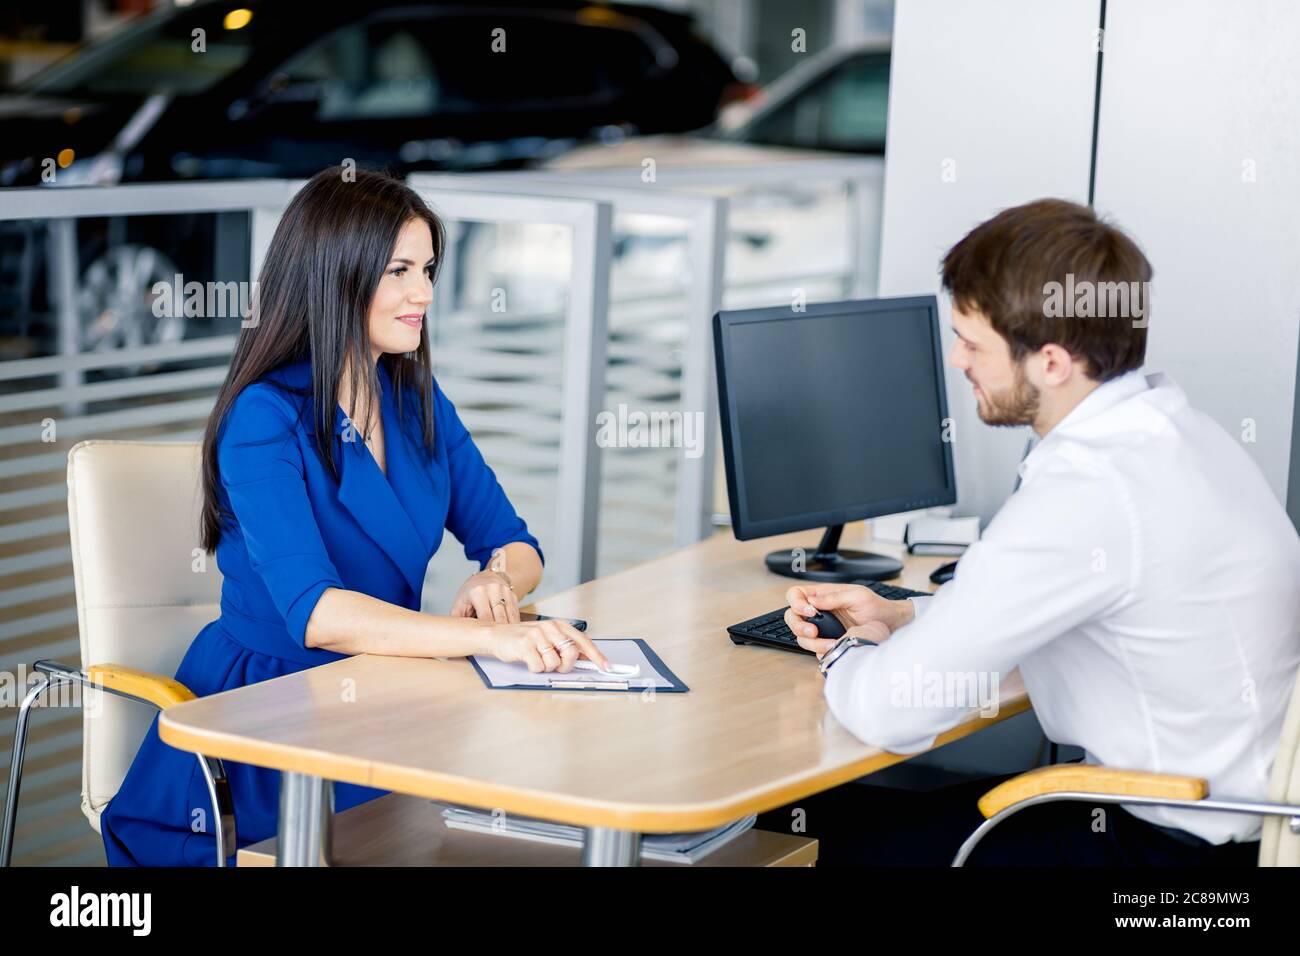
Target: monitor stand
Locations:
point(829, 563)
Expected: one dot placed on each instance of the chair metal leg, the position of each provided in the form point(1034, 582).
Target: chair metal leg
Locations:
point(16, 768)
point(972, 841)
point(1227, 804)
point(214, 771)
point(223, 805)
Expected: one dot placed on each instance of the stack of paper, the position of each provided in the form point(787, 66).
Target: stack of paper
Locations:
point(670, 847)
point(941, 535)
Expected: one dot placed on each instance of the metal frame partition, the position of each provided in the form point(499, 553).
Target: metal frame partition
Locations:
point(705, 219)
point(692, 194)
point(585, 333)
point(571, 555)
point(40, 617)
point(863, 176)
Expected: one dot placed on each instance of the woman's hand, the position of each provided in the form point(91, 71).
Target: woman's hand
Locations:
point(854, 605)
point(486, 596)
point(543, 645)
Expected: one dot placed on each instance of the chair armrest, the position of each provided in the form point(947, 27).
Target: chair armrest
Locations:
point(1090, 778)
point(160, 691)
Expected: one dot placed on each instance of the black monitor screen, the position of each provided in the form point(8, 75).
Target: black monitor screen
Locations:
point(834, 414)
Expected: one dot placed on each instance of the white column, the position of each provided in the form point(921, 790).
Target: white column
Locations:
point(1198, 157)
point(990, 106)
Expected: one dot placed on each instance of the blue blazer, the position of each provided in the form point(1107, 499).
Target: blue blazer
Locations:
point(295, 532)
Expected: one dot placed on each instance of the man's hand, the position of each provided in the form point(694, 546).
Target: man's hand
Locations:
point(862, 611)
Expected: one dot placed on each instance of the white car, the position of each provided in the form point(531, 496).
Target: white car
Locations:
point(838, 101)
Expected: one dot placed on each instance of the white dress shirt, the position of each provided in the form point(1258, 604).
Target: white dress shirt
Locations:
point(1146, 582)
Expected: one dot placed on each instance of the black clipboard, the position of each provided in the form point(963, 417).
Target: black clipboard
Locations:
point(566, 682)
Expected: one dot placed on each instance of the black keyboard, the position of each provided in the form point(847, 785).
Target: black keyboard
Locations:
point(770, 629)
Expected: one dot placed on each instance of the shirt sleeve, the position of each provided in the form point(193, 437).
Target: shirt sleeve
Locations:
point(479, 515)
point(262, 471)
point(1058, 554)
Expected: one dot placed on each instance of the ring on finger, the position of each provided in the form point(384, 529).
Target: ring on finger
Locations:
point(564, 643)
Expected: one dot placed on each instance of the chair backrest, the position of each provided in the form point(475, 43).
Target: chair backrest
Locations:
point(1278, 846)
point(144, 587)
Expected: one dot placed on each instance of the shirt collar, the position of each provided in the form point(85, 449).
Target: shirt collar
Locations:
point(1102, 398)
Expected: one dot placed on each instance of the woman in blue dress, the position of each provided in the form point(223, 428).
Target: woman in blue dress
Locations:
point(332, 464)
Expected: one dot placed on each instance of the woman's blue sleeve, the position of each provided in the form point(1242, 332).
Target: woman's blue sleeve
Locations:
point(262, 471)
point(480, 515)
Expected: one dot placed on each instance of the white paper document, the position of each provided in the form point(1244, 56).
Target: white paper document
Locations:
point(651, 672)
point(669, 847)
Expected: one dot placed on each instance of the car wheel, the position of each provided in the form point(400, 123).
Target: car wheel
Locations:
point(115, 303)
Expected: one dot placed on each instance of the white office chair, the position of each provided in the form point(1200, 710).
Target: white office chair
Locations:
point(142, 595)
point(1279, 842)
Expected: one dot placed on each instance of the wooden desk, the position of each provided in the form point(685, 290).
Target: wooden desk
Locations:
point(753, 733)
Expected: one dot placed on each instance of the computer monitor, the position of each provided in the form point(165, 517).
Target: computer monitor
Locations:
point(829, 415)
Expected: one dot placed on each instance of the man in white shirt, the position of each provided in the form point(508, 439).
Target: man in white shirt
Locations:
point(1143, 577)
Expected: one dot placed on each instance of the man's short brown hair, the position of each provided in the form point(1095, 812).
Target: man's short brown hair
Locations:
point(1024, 268)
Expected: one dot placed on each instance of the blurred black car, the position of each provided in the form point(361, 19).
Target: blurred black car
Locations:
point(233, 90)
point(224, 90)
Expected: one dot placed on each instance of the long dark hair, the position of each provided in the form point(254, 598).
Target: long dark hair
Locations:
point(313, 302)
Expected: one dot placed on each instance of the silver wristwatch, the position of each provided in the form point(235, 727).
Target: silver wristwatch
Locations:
point(840, 648)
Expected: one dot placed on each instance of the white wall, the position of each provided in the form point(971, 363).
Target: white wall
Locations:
point(1199, 159)
point(990, 106)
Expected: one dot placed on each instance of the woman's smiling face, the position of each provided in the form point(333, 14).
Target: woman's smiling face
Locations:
point(404, 292)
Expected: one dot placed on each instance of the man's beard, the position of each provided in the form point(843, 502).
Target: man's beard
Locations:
point(1017, 405)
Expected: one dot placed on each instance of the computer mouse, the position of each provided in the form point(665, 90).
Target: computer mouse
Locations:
point(828, 625)
point(943, 573)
